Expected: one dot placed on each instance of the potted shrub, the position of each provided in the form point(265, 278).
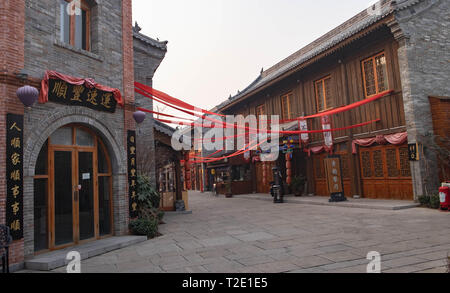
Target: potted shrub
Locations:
point(297, 185)
point(149, 215)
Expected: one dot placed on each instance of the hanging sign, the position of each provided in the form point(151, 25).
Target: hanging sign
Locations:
point(327, 135)
point(132, 173)
point(303, 126)
point(14, 175)
point(65, 93)
point(334, 178)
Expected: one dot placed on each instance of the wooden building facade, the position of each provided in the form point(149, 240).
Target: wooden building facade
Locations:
point(356, 61)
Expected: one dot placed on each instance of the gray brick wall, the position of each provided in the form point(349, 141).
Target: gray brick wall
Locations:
point(148, 55)
point(423, 32)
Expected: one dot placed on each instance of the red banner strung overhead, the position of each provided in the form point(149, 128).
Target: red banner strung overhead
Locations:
point(172, 100)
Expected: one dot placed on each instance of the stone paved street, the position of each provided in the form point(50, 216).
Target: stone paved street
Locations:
point(252, 236)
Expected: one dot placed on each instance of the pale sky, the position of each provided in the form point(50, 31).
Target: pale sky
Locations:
point(217, 47)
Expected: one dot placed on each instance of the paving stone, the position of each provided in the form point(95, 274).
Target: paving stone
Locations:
point(239, 235)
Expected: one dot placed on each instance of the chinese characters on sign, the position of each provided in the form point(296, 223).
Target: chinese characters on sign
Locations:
point(326, 125)
point(79, 95)
point(334, 178)
point(14, 175)
point(413, 150)
point(132, 173)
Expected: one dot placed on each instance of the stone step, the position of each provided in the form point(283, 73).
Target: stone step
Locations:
point(56, 259)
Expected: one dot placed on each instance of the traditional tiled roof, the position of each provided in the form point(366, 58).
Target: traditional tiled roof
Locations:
point(164, 128)
point(344, 31)
point(152, 42)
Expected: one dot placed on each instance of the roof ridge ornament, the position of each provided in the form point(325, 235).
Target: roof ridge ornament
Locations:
point(136, 27)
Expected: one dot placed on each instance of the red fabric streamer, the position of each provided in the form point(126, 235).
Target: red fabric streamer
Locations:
point(162, 114)
point(395, 139)
point(172, 100)
point(272, 131)
point(227, 125)
point(88, 82)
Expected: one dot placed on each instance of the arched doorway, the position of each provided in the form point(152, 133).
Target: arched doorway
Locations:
point(72, 190)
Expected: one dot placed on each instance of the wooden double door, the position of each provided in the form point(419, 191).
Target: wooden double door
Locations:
point(386, 172)
point(79, 189)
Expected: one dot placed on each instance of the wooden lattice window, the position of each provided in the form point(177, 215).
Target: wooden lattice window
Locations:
point(366, 164)
point(323, 94)
point(392, 162)
point(405, 169)
point(378, 164)
point(375, 75)
point(286, 109)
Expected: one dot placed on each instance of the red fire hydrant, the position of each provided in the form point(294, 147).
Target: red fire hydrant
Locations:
point(444, 194)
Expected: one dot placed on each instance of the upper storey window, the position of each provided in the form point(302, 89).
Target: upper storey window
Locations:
point(286, 110)
point(323, 94)
point(75, 23)
point(375, 75)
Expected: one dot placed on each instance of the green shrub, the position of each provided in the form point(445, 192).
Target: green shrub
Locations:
point(147, 195)
point(424, 200)
point(435, 201)
point(145, 227)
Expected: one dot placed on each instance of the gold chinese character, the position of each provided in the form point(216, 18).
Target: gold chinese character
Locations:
point(106, 100)
point(60, 89)
point(15, 175)
point(77, 91)
point(16, 127)
point(15, 142)
point(15, 208)
point(133, 183)
point(92, 97)
point(133, 162)
point(132, 150)
point(134, 206)
point(15, 191)
point(133, 172)
point(133, 195)
point(132, 139)
point(15, 159)
point(15, 226)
